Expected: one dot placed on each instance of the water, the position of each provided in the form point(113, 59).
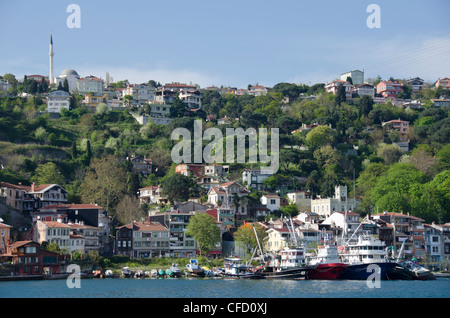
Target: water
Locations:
point(224, 288)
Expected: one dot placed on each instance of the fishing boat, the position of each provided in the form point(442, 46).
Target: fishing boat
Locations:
point(326, 263)
point(290, 265)
point(235, 267)
point(153, 273)
point(194, 269)
point(361, 256)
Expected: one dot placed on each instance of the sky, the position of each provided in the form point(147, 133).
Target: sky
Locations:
point(229, 43)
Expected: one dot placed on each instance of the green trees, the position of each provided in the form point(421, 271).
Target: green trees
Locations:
point(204, 229)
point(178, 187)
point(105, 182)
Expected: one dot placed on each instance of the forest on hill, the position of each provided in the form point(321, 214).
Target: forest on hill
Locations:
point(347, 144)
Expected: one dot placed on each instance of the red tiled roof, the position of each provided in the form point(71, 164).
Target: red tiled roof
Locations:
point(54, 224)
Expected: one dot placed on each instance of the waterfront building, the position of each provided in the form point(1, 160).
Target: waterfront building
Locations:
point(142, 240)
point(176, 222)
point(28, 258)
point(52, 232)
point(408, 229)
point(5, 233)
point(85, 238)
point(433, 244)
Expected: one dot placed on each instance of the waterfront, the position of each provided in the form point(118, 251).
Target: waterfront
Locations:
point(224, 288)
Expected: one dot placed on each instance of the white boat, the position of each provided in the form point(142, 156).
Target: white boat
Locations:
point(235, 267)
point(126, 272)
point(153, 273)
point(367, 250)
point(108, 273)
point(194, 269)
point(174, 270)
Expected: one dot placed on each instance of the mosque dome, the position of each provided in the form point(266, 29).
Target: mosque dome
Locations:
point(69, 71)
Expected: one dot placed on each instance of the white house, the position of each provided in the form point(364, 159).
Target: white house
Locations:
point(141, 92)
point(364, 90)
point(225, 194)
point(191, 98)
point(57, 100)
point(302, 199)
point(85, 235)
point(271, 201)
point(346, 221)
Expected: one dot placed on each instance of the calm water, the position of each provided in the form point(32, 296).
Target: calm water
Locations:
point(223, 288)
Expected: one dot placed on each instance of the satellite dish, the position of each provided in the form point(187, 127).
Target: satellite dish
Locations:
point(1, 220)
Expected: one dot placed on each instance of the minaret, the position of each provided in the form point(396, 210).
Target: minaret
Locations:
point(50, 54)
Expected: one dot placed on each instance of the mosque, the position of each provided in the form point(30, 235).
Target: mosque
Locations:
point(69, 74)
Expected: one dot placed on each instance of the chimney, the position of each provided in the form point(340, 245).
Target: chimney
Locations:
point(32, 187)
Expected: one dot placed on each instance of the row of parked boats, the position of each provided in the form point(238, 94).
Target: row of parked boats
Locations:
point(354, 261)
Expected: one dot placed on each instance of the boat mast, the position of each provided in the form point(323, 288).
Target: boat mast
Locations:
point(400, 252)
point(257, 240)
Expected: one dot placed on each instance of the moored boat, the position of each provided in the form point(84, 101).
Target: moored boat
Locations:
point(418, 272)
point(364, 257)
point(194, 269)
point(174, 271)
point(326, 264)
point(235, 267)
point(290, 266)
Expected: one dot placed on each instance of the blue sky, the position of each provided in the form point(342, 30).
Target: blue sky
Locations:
point(230, 43)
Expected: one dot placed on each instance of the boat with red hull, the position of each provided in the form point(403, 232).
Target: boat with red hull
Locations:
point(326, 264)
point(328, 271)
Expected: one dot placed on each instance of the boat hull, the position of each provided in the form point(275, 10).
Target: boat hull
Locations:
point(362, 271)
point(329, 271)
point(294, 273)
